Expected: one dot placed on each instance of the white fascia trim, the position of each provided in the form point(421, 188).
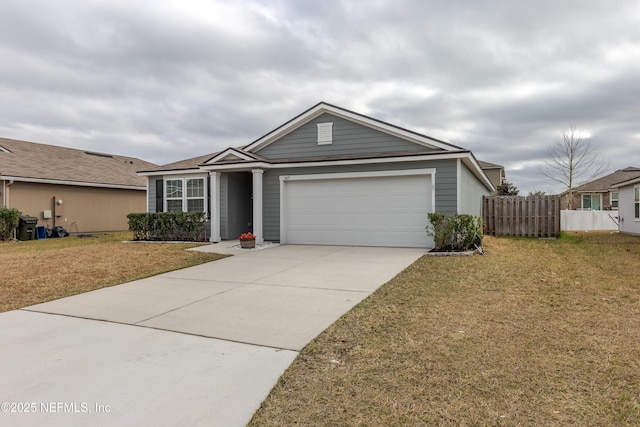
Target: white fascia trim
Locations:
point(171, 172)
point(229, 152)
point(236, 167)
point(353, 117)
point(264, 165)
point(74, 183)
point(626, 183)
point(286, 128)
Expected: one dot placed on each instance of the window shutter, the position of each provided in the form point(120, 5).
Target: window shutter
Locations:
point(159, 195)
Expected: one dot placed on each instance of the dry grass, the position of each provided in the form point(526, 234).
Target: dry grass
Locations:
point(534, 333)
point(38, 271)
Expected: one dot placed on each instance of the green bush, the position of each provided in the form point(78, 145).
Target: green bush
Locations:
point(453, 233)
point(9, 219)
point(168, 226)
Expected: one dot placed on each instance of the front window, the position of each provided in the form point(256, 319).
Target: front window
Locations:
point(614, 200)
point(636, 201)
point(185, 194)
point(591, 202)
point(195, 195)
point(174, 195)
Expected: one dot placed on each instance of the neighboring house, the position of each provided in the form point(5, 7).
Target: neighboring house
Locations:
point(599, 194)
point(494, 172)
point(629, 205)
point(82, 191)
point(328, 176)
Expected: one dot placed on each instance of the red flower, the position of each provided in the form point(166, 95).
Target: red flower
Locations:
point(247, 236)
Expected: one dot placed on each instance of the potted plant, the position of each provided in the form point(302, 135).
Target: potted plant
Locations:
point(247, 240)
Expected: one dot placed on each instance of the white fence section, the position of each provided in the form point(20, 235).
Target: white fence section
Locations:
point(588, 220)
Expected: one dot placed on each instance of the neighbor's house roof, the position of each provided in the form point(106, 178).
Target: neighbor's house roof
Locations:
point(607, 182)
point(629, 181)
point(50, 164)
point(487, 165)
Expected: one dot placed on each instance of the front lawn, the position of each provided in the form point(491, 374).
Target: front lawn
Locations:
point(536, 332)
point(37, 271)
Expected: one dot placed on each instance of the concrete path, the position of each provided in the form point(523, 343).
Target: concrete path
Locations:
point(198, 346)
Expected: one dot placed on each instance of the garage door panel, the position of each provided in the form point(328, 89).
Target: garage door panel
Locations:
point(370, 211)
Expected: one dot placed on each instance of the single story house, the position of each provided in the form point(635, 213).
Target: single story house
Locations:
point(629, 205)
point(599, 194)
point(328, 176)
point(82, 191)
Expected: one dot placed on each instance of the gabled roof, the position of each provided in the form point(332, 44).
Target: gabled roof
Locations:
point(231, 155)
point(323, 107)
point(33, 162)
point(607, 182)
point(247, 157)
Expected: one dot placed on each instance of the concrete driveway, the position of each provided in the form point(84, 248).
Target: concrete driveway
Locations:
point(198, 346)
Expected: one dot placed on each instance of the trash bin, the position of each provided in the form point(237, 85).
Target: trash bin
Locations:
point(41, 232)
point(27, 227)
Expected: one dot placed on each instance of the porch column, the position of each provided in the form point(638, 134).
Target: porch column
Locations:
point(257, 204)
point(214, 206)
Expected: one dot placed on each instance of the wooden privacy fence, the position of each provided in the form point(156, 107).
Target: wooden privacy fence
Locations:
point(533, 216)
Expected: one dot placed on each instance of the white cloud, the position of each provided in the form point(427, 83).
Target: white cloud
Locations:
point(169, 80)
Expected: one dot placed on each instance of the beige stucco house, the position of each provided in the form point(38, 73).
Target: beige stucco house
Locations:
point(82, 191)
point(599, 194)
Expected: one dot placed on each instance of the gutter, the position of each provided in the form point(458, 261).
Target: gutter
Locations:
point(76, 183)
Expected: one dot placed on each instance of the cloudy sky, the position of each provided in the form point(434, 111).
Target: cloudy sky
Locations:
point(167, 80)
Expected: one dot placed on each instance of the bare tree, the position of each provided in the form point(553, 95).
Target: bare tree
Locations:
point(572, 161)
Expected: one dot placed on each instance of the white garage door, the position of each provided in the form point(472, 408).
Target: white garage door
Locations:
point(358, 211)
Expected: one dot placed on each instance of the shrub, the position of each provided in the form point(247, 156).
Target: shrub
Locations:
point(453, 233)
point(9, 219)
point(168, 226)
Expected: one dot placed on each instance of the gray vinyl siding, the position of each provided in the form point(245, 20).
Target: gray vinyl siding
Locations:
point(472, 192)
point(348, 138)
point(224, 203)
point(445, 187)
point(151, 189)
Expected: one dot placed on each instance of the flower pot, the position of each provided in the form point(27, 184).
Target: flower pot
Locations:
point(248, 244)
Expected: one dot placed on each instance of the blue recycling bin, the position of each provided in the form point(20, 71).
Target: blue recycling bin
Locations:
point(41, 232)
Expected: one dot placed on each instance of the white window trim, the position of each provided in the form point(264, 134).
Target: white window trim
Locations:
point(184, 179)
point(611, 193)
point(325, 133)
point(635, 188)
point(590, 194)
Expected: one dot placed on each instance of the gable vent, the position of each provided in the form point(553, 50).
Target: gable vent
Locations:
point(325, 133)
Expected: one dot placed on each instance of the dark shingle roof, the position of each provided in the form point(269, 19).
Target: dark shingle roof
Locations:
point(33, 161)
